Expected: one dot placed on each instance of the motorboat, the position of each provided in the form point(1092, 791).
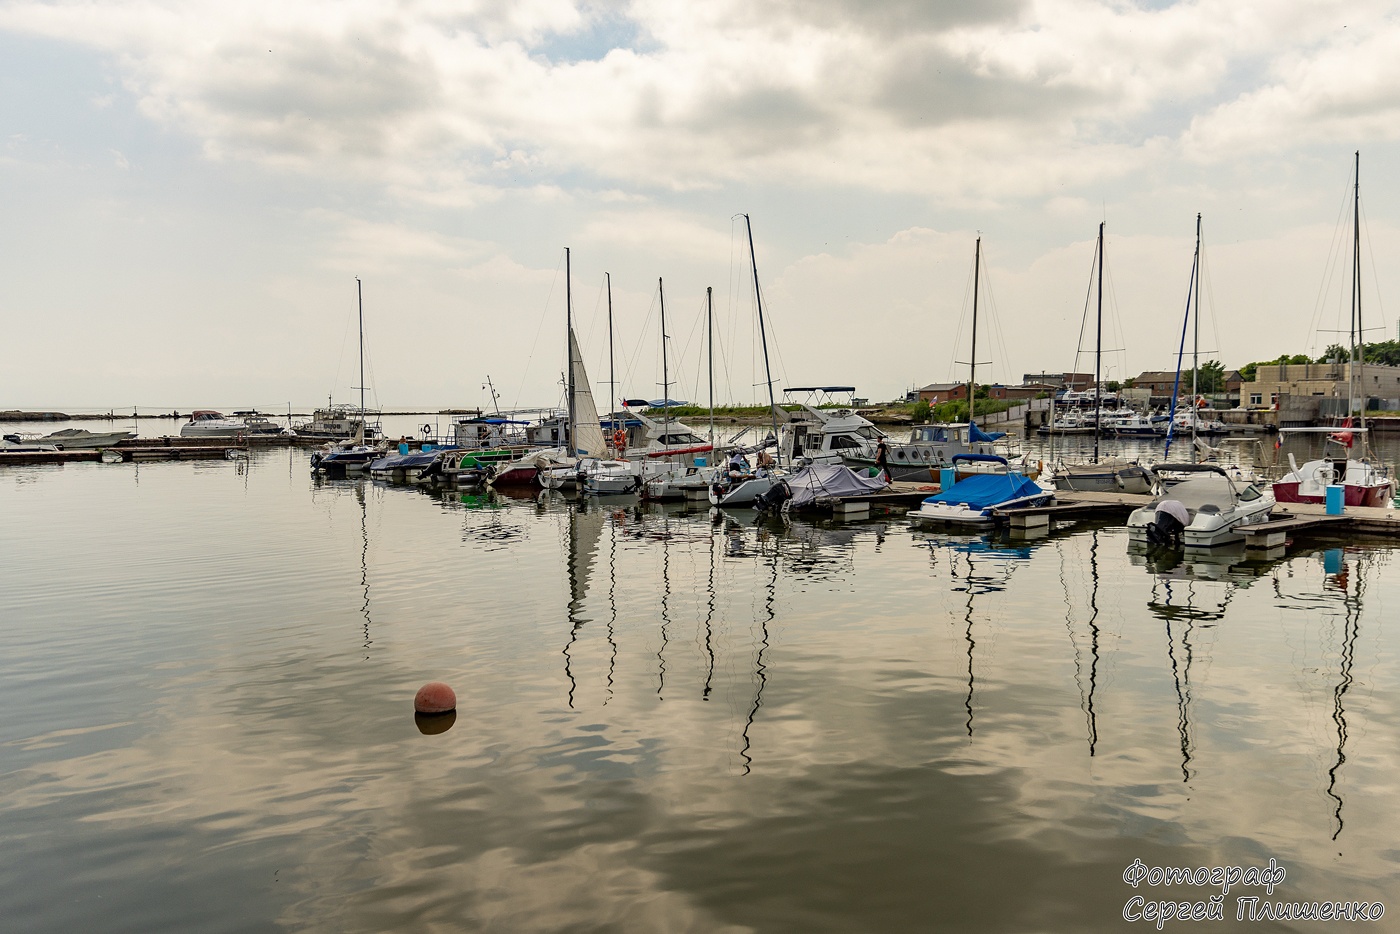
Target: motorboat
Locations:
point(1135, 425)
point(972, 500)
point(1202, 512)
point(843, 436)
point(339, 460)
point(1363, 483)
point(25, 444)
point(73, 439)
point(404, 466)
point(737, 486)
point(206, 423)
point(337, 423)
point(1189, 419)
point(608, 477)
point(679, 482)
point(1109, 475)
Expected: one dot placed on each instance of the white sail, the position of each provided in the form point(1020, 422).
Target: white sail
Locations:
point(588, 433)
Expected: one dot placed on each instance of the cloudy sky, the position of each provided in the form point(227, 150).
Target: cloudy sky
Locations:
point(190, 189)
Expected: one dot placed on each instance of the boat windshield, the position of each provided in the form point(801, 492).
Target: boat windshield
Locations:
point(1204, 491)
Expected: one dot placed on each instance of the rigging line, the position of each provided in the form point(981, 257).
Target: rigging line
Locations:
point(539, 328)
point(1335, 249)
point(1084, 317)
point(1208, 293)
point(1375, 277)
point(968, 285)
point(643, 332)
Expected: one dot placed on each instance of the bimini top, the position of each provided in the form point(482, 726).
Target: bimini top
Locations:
point(983, 490)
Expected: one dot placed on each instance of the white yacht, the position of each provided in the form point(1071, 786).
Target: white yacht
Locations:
point(205, 423)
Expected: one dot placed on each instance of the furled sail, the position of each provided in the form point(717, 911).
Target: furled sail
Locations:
point(588, 433)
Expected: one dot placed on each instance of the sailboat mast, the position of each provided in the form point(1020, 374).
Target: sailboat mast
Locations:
point(612, 374)
point(972, 376)
point(665, 371)
point(360, 303)
point(710, 334)
point(762, 333)
point(1196, 346)
point(569, 350)
point(1098, 356)
point(1358, 346)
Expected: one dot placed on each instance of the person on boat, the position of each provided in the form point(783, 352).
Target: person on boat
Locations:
point(738, 466)
point(765, 464)
point(882, 461)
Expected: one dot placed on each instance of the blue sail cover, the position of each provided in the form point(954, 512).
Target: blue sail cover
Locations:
point(983, 490)
point(977, 434)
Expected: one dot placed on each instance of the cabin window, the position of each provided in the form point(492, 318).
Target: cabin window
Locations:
point(1250, 493)
point(867, 432)
point(843, 442)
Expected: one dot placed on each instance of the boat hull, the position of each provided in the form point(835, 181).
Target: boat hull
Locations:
point(1379, 495)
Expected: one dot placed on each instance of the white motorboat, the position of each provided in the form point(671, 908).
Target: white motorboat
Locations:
point(205, 423)
point(971, 501)
point(679, 482)
point(605, 478)
point(1203, 512)
point(844, 436)
point(74, 439)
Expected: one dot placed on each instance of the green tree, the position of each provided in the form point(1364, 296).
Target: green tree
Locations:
point(1383, 352)
point(921, 411)
point(1209, 378)
point(1250, 370)
point(1334, 352)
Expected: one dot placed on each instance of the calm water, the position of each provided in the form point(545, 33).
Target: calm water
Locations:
point(667, 721)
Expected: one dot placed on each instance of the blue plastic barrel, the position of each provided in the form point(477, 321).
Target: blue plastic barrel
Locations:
point(427, 448)
point(947, 477)
point(700, 462)
point(1336, 499)
point(403, 447)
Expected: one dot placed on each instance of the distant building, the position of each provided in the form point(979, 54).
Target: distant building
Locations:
point(1326, 380)
point(1074, 381)
point(1159, 382)
point(934, 393)
point(1031, 391)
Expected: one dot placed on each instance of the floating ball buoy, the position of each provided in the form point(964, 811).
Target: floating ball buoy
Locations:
point(434, 697)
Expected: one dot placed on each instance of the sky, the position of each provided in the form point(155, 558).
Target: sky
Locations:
point(191, 188)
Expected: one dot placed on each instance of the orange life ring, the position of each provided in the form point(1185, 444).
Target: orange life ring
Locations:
point(620, 440)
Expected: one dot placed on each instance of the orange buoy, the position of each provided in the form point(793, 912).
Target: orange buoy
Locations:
point(434, 697)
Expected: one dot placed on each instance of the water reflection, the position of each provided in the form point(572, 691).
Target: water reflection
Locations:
point(823, 752)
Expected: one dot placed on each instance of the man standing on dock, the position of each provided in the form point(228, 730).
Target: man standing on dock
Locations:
point(882, 460)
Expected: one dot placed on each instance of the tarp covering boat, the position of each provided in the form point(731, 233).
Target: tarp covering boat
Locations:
point(818, 482)
point(977, 434)
point(982, 491)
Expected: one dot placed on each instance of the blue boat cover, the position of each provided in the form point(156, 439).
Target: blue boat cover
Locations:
point(984, 490)
point(977, 434)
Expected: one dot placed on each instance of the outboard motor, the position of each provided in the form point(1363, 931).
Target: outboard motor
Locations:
point(1164, 531)
point(773, 500)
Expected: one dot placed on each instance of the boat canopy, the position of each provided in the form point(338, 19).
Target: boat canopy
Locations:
point(981, 458)
point(830, 482)
point(984, 490)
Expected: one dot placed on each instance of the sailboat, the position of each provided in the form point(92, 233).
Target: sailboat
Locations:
point(678, 480)
point(1363, 483)
point(353, 456)
point(989, 482)
point(735, 486)
point(1111, 475)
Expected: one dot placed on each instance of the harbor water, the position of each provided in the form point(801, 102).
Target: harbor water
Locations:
point(669, 719)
